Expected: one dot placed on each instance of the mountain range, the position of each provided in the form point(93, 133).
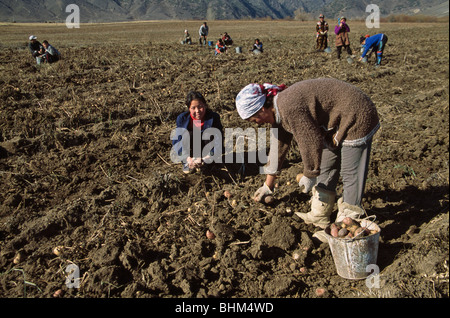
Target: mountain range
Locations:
point(134, 10)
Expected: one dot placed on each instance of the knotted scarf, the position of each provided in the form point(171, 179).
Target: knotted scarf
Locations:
point(253, 96)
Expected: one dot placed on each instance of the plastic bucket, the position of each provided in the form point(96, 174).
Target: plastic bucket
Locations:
point(327, 50)
point(352, 256)
point(238, 49)
point(210, 43)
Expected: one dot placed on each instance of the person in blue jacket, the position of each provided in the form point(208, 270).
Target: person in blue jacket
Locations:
point(257, 47)
point(376, 43)
point(198, 117)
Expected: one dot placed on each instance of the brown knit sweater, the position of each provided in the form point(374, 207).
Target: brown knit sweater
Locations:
point(320, 112)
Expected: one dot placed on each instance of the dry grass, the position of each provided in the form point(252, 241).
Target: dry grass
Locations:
point(88, 35)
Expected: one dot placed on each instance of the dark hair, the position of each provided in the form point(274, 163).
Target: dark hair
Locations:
point(362, 39)
point(45, 41)
point(193, 95)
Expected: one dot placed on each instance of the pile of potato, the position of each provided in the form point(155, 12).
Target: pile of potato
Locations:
point(348, 228)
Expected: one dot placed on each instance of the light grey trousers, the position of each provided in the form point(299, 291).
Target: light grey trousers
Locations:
point(349, 163)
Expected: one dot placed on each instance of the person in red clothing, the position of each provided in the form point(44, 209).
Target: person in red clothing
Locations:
point(220, 47)
point(227, 39)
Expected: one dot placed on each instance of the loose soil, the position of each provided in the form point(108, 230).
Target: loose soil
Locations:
point(85, 165)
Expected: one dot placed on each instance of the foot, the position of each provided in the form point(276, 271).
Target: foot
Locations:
point(321, 236)
point(309, 218)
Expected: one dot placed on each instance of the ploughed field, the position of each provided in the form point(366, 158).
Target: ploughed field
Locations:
point(85, 165)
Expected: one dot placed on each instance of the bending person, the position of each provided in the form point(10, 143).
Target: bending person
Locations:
point(333, 129)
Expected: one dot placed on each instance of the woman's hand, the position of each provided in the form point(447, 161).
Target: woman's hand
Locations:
point(306, 184)
point(262, 192)
point(194, 162)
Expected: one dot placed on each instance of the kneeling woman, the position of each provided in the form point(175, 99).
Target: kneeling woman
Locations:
point(195, 122)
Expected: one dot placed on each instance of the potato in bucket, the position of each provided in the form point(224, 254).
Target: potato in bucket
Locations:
point(356, 249)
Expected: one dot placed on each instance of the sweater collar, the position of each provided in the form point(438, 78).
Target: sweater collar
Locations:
point(277, 112)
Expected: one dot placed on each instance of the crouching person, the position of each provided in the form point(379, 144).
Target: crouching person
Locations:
point(51, 54)
point(376, 43)
point(36, 49)
point(191, 138)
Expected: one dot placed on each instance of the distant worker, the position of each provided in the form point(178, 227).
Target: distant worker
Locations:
point(376, 43)
point(51, 54)
point(321, 34)
point(362, 45)
point(227, 39)
point(220, 47)
point(187, 37)
point(36, 49)
point(203, 33)
point(342, 39)
point(257, 47)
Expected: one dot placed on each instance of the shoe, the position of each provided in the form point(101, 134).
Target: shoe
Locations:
point(321, 236)
point(322, 204)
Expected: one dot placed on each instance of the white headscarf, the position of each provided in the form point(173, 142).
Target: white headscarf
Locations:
point(253, 96)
